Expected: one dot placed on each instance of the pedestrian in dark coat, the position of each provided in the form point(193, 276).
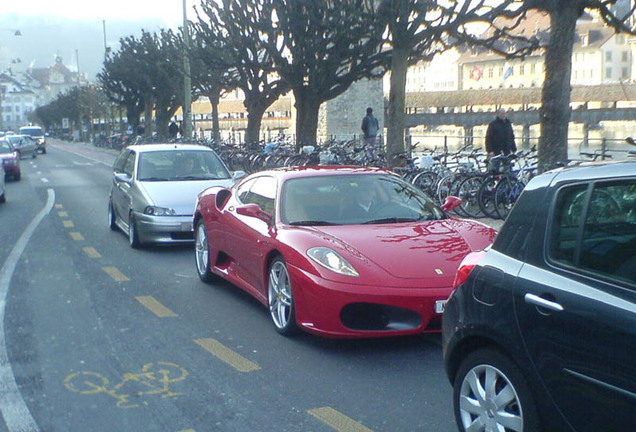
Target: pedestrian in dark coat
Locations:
point(500, 138)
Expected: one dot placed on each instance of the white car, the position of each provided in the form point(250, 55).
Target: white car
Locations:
point(155, 187)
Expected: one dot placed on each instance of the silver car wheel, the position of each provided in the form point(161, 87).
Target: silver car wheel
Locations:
point(202, 253)
point(279, 294)
point(489, 402)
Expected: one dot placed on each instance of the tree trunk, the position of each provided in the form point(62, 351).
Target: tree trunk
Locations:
point(149, 105)
point(214, 97)
point(307, 110)
point(255, 113)
point(555, 97)
point(397, 101)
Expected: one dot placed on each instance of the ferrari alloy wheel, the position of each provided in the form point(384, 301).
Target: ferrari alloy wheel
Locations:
point(133, 235)
point(281, 302)
point(490, 394)
point(202, 253)
point(112, 222)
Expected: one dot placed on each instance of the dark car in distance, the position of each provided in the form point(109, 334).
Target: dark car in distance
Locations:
point(540, 332)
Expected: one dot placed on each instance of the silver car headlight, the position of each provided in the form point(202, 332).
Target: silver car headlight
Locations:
point(332, 260)
point(159, 211)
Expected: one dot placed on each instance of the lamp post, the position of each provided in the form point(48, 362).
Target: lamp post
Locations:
point(187, 100)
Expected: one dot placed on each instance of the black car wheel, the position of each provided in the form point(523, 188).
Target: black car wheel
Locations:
point(133, 235)
point(112, 221)
point(202, 253)
point(281, 301)
point(491, 394)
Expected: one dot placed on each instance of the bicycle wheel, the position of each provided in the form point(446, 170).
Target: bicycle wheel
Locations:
point(426, 181)
point(468, 191)
point(486, 196)
point(506, 194)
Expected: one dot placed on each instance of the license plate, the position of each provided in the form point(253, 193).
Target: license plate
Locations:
point(186, 226)
point(440, 305)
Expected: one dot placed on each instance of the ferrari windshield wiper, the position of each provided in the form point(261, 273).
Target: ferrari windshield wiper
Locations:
point(311, 223)
point(390, 220)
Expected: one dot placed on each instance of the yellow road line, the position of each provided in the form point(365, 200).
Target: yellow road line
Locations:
point(91, 252)
point(155, 307)
point(62, 214)
point(68, 224)
point(115, 274)
point(337, 420)
point(76, 236)
point(59, 206)
point(225, 354)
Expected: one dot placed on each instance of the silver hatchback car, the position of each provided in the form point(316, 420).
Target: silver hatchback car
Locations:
point(154, 190)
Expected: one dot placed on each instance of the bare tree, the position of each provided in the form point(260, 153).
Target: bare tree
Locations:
point(322, 47)
point(236, 27)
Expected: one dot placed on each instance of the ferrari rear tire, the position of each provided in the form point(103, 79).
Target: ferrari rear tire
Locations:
point(490, 393)
point(202, 253)
point(280, 298)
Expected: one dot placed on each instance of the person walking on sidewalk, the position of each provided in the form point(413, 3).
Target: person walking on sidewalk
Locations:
point(370, 127)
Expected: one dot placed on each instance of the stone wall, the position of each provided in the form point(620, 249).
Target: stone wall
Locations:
point(341, 117)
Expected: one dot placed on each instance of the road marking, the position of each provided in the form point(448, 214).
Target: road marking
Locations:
point(59, 206)
point(62, 214)
point(44, 180)
point(225, 354)
point(76, 236)
point(337, 420)
point(155, 307)
point(91, 252)
point(15, 413)
point(115, 274)
point(68, 224)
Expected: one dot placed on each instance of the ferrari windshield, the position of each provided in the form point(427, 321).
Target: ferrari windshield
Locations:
point(354, 199)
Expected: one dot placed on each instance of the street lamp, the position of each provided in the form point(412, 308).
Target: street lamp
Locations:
point(187, 100)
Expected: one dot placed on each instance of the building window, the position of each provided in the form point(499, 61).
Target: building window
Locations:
point(608, 56)
point(491, 72)
point(522, 70)
point(608, 72)
point(620, 39)
point(625, 73)
point(625, 56)
point(533, 68)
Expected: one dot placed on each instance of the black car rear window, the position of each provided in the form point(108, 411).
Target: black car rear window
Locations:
point(594, 229)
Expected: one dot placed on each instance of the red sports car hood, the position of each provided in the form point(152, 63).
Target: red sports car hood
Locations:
point(412, 251)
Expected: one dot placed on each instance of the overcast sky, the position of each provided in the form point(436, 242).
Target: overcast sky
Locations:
point(75, 29)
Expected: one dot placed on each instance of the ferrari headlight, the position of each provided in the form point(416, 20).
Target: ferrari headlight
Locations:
point(159, 211)
point(332, 260)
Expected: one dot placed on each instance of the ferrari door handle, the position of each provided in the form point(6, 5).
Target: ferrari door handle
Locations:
point(541, 302)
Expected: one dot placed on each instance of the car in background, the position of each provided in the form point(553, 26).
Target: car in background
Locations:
point(540, 332)
point(23, 144)
point(38, 135)
point(10, 160)
point(154, 189)
point(343, 252)
point(3, 195)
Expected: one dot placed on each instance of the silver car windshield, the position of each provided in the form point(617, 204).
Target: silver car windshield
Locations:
point(171, 165)
point(354, 199)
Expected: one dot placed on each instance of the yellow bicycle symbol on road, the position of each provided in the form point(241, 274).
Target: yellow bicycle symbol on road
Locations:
point(154, 379)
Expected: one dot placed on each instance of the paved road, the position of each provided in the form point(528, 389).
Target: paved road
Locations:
point(101, 337)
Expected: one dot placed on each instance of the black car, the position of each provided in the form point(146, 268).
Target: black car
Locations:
point(540, 332)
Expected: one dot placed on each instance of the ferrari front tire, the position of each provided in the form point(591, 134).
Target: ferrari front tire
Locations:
point(490, 393)
point(202, 253)
point(280, 298)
